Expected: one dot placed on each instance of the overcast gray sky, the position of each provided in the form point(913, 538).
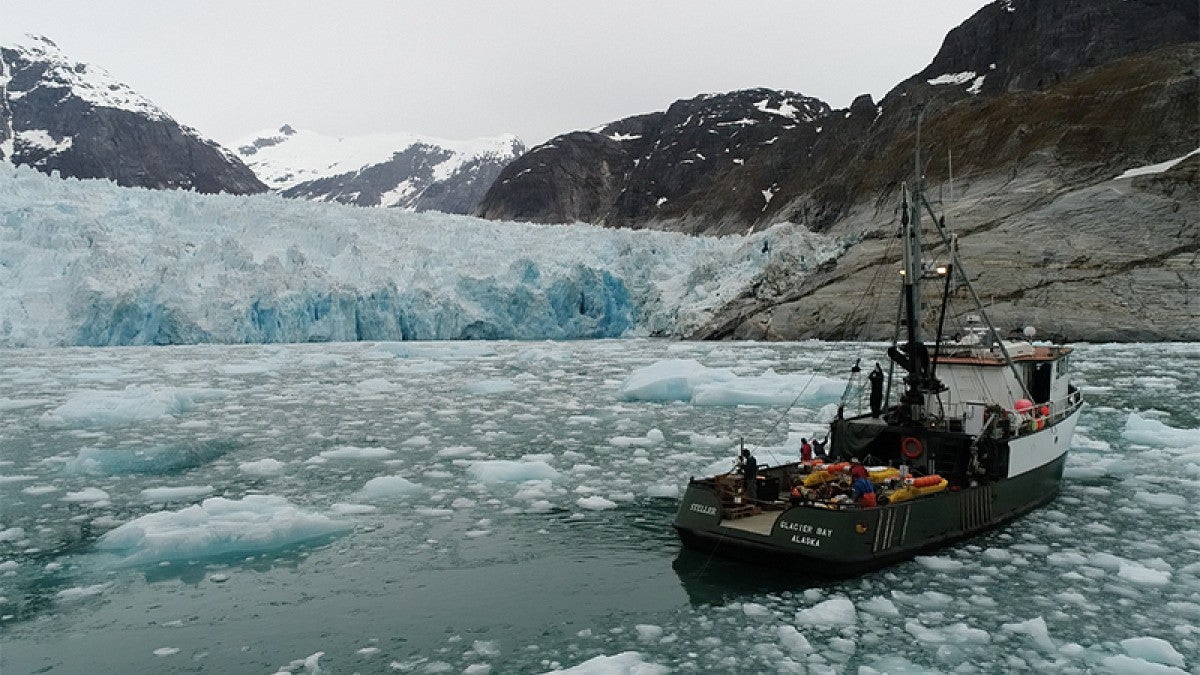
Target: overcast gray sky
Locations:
point(460, 70)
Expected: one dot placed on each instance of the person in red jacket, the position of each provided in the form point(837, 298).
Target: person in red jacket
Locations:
point(862, 491)
point(805, 450)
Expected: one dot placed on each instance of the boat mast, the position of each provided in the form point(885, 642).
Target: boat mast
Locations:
point(915, 357)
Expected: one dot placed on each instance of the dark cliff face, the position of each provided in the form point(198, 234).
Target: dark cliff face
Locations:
point(1123, 94)
point(73, 119)
point(650, 167)
point(1029, 44)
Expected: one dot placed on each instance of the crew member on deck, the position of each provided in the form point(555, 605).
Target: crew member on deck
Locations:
point(750, 474)
point(876, 379)
point(805, 450)
point(862, 491)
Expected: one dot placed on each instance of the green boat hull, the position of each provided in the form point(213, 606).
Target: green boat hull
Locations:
point(850, 541)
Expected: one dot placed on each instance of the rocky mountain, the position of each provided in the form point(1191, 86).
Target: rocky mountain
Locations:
point(1029, 112)
point(75, 119)
point(399, 171)
point(648, 170)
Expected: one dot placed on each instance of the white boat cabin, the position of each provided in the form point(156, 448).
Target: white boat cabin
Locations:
point(977, 376)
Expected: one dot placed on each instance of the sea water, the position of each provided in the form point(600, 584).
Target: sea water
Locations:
point(506, 507)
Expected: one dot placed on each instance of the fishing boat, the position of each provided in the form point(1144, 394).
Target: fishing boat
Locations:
point(971, 432)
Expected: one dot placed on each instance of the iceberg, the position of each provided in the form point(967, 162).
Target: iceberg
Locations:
point(217, 527)
point(93, 264)
point(689, 380)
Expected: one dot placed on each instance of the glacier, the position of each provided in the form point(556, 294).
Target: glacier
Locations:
point(88, 263)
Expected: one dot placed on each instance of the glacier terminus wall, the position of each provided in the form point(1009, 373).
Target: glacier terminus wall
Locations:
point(90, 263)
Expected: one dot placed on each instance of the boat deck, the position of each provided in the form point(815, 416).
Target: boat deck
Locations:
point(758, 524)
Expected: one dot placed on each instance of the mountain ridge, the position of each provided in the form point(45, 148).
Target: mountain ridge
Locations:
point(406, 171)
point(57, 115)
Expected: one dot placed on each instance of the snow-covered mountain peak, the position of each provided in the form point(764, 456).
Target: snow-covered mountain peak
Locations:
point(286, 157)
point(401, 170)
point(90, 83)
point(75, 119)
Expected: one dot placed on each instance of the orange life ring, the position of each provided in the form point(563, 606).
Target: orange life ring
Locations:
point(911, 447)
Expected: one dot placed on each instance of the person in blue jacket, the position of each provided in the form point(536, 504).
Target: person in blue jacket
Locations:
point(862, 491)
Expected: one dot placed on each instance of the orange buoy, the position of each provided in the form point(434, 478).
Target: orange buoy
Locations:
point(911, 447)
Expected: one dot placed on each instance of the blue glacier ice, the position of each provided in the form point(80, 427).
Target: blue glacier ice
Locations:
point(91, 264)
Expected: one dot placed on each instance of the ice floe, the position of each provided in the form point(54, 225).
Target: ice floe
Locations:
point(217, 527)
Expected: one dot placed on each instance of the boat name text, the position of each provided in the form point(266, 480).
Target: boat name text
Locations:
point(805, 528)
point(808, 535)
point(706, 510)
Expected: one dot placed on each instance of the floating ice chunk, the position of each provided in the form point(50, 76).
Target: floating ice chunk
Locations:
point(217, 527)
point(1190, 610)
point(648, 632)
point(377, 385)
point(86, 495)
point(344, 509)
point(351, 452)
point(664, 491)
point(38, 490)
point(926, 600)
point(770, 388)
point(754, 609)
point(77, 593)
point(1154, 650)
point(1161, 499)
point(149, 460)
point(12, 534)
point(625, 663)
point(596, 503)
point(135, 403)
point(311, 665)
point(688, 380)
point(166, 651)
point(670, 380)
point(998, 555)
point(446, 351)
point(793, 640)
point(262, 467)
point(652, 438)
point(388, 487)
point(1142, 575)
point(1151, 432)
point(939, 563)
point(490, 387)
point(893, 665)
point(16, 479)
point(21, 403)
point(163, 495)
point(1121, 664)
point(1036, 629)
point(958, 633)
point(507, 471)
point(456, 451)
point(489, 648)
point(838, 611)
point(879, 606)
